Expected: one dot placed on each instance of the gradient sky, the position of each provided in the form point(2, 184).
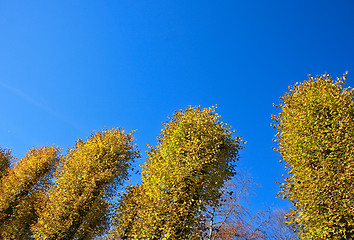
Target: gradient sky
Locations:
point(70, 67)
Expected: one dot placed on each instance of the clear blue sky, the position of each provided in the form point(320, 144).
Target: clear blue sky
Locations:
point(70, 67)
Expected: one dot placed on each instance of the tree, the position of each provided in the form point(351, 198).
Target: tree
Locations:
point(22, 187)
point(183, 175)
point(77, 205)
point(276, 227)
point(315, 133)
point(231, 219)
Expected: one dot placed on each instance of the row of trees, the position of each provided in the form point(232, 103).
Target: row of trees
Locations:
point(189, 188)
point(46, 195)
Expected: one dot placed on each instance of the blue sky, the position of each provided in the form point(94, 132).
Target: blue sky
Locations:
point(70, 67)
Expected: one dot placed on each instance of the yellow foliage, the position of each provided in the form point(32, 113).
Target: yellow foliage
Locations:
point(77, 205)
point(20, 191)
point(315, 132)
point(183, 174)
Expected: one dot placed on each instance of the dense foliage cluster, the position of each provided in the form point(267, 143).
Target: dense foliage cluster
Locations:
point(22, 188)
point(183, 175)
point(316, 140)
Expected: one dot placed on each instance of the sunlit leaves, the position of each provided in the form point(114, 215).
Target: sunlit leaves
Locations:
point(315, 132)
point(183, 174)
point(77, 204)
point(49, 196)
point(22, 188)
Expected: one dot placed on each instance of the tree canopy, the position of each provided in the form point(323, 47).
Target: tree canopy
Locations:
point(315, 133)
point(183, 175)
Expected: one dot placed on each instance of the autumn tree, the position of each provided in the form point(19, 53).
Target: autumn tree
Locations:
point(78, 203)
point(315, 133)
point(231, 218)
point(22, 187)
point(276, 227)
point(183, 175)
